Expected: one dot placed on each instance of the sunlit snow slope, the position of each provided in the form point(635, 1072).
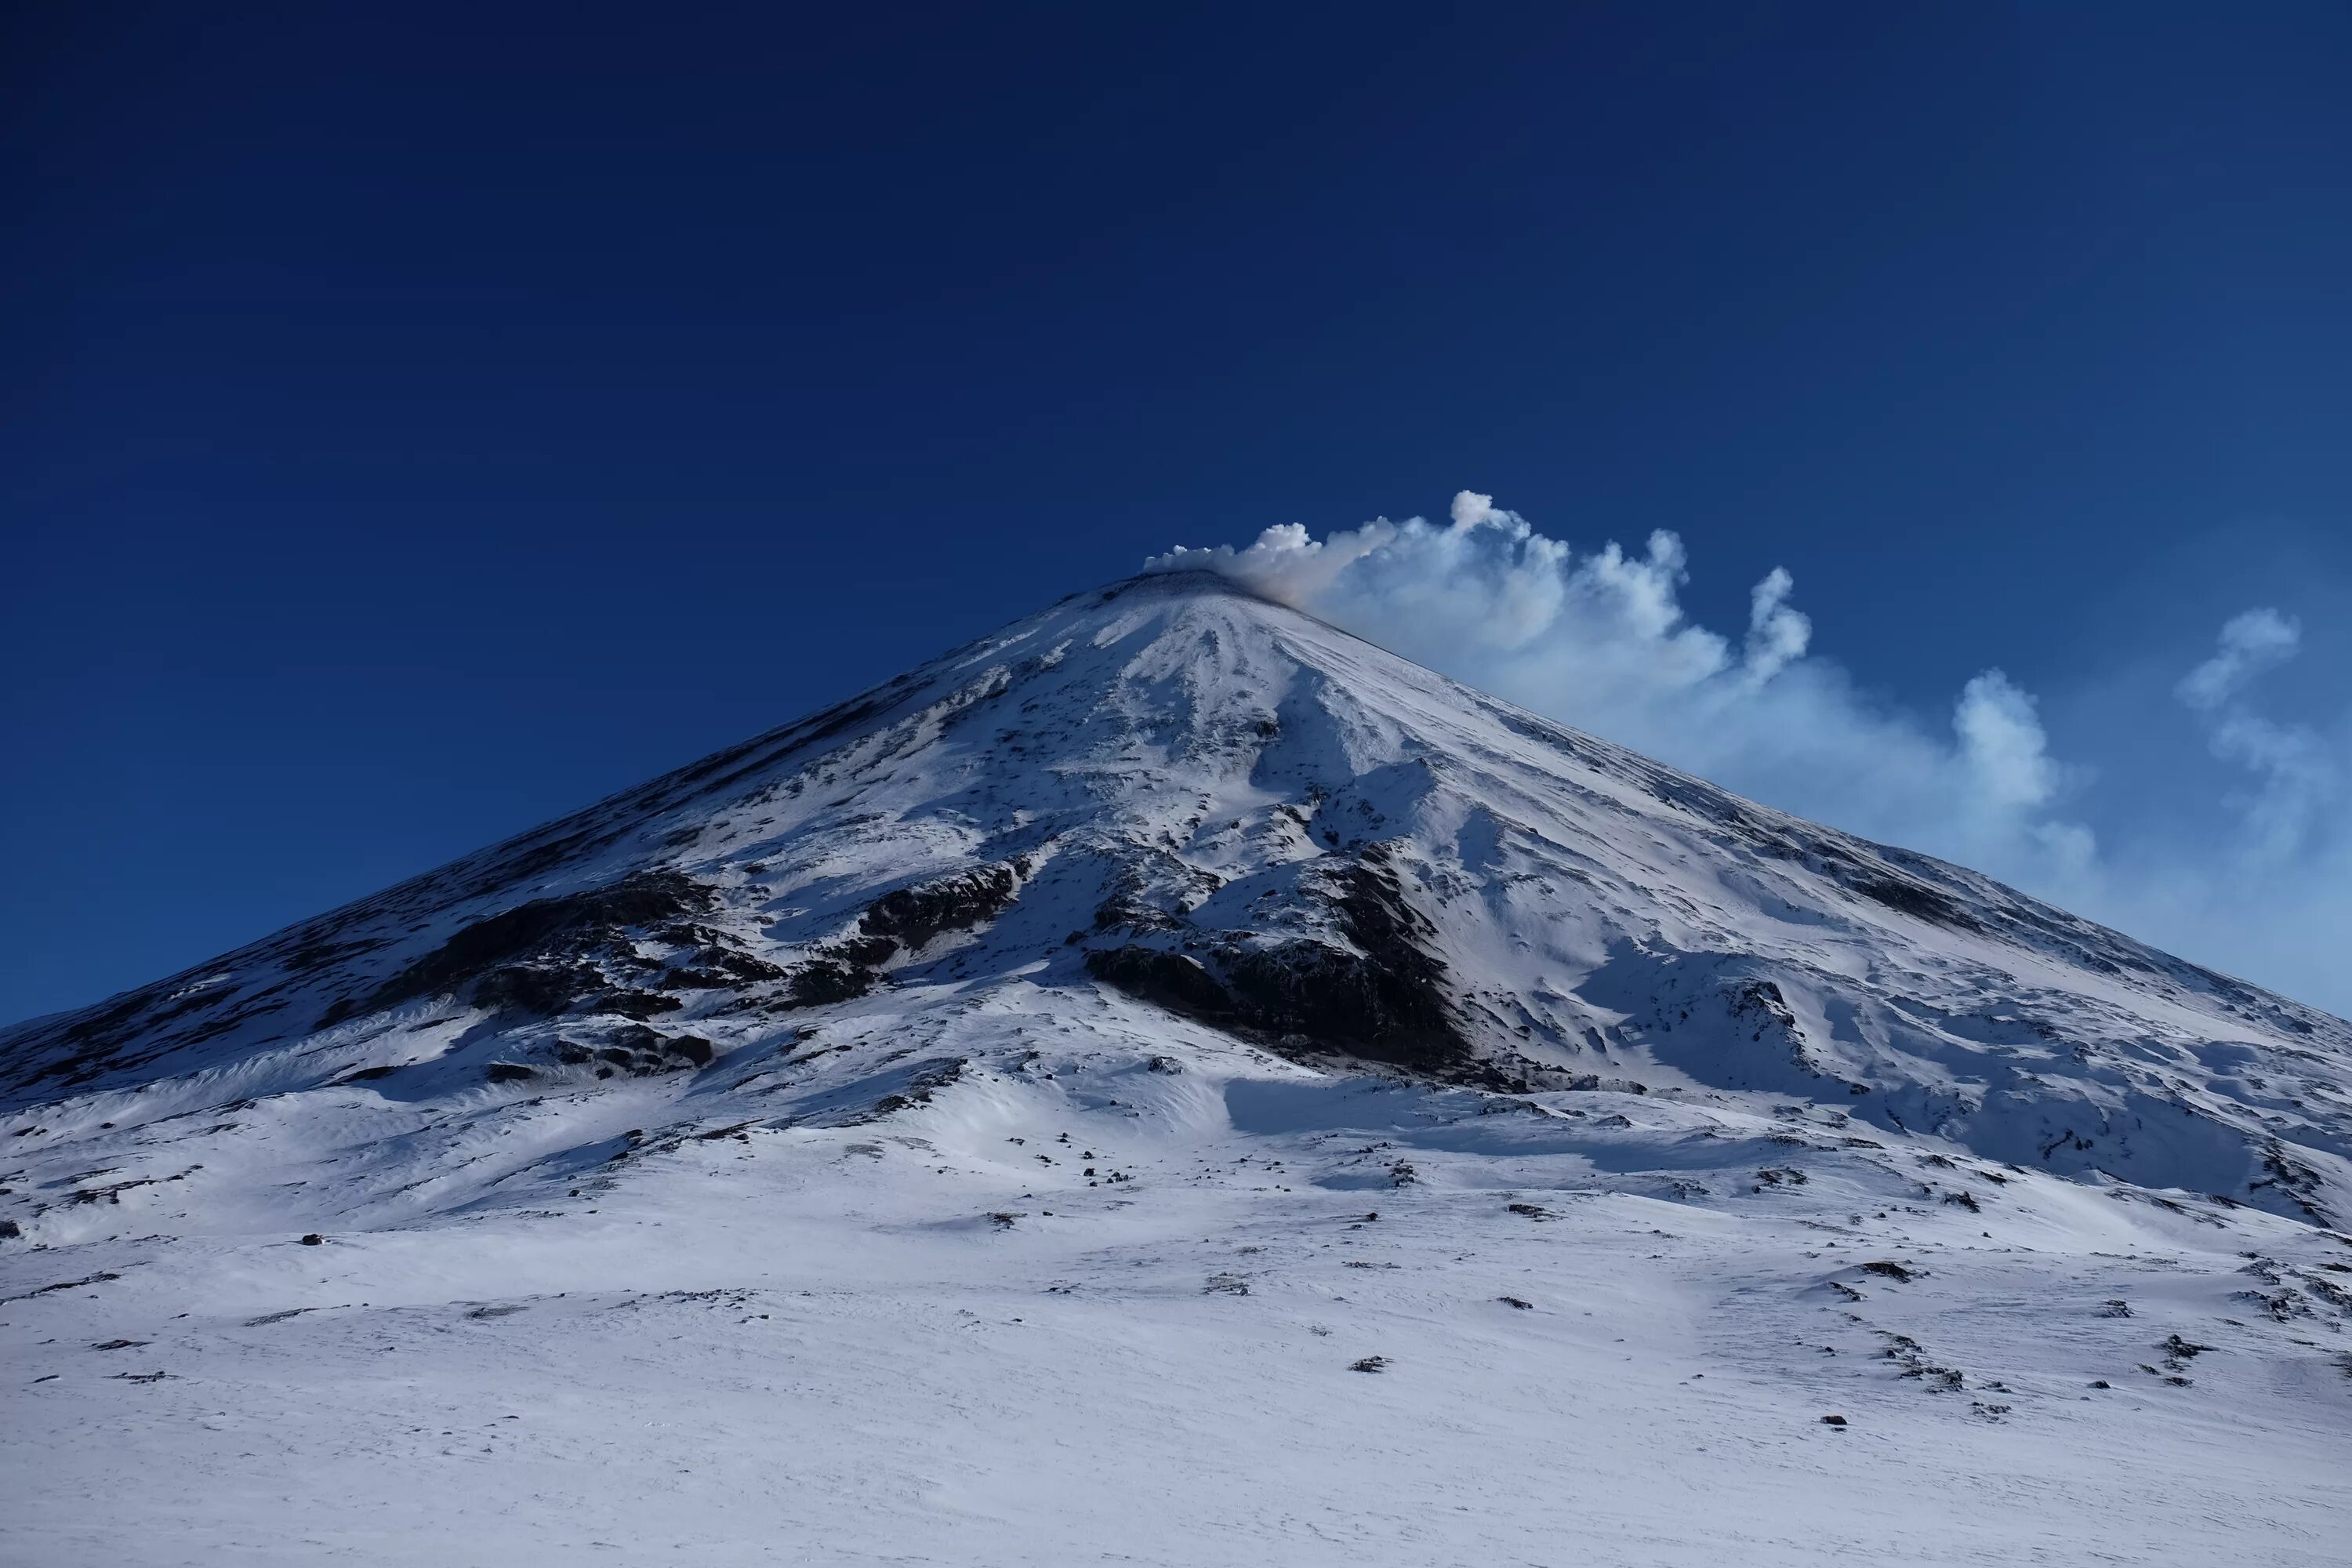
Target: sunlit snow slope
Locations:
point(1174, 1079)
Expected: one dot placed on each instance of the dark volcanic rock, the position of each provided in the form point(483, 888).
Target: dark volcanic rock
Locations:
point(1914, 899)
point(547, 989)
point(1381, 998)
point(548, 933)
point(913, 916)
point(1165, 979)
point(827, 981)
point(638, 1004)
point(847, 967)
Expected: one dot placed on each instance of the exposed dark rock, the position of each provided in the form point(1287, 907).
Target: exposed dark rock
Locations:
point(741, 967)
point(101, 1277)
point(846, 967)
point(1165, 979)
point(2295, 1178)
point(1914, 899)
point(509, 1072)
point(913, 916)
point(544, 989)
point(863, 951)
point(1387, 1001)
point(923, 1079)
point(1381, 998)
point(545, 932)
point(1349, 1002)
point(715, 967)
point(826, 981)
point(1124, 914)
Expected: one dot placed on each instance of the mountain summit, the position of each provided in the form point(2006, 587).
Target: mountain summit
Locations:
point(1171, 813)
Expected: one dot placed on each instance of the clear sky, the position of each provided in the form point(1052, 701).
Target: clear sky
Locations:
point(421, 420)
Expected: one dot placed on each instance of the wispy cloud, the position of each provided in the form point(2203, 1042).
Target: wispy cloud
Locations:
point(2296, 781)
point(2250, 644)
point(1601, 639)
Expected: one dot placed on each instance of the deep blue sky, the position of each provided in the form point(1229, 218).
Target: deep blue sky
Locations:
point(421, 420)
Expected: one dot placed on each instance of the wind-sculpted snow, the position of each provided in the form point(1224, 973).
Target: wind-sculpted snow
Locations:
point(1164, 898)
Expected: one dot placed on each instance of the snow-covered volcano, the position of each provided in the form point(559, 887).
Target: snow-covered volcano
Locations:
point(1175, 814)
point(1271, 918)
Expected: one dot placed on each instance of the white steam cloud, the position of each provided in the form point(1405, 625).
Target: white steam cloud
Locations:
point(2296, 781)
point(1600, 640)
point(2250, 644)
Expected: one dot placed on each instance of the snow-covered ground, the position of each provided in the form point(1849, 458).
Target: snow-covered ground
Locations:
point(1172, 1084)
point(918, 1341)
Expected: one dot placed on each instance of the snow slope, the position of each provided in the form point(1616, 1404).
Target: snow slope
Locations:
point(951, 1129)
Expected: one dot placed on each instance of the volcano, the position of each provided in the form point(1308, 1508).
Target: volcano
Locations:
point(1004, 1118)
